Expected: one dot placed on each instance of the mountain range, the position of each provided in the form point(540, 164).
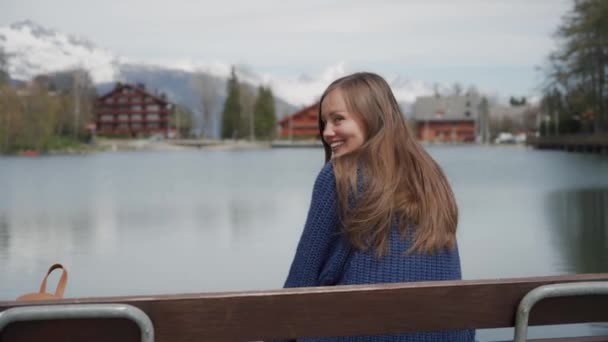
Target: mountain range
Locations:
point(33, 49)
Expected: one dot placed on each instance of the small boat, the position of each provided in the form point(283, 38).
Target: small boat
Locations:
point(29, 153)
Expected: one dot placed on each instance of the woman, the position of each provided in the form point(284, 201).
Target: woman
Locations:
point(382, 210)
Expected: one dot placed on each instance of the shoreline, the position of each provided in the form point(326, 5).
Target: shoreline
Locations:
point(123, 145)
point(119, 145)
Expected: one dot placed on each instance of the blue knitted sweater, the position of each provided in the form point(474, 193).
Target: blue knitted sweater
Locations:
point(324, 257)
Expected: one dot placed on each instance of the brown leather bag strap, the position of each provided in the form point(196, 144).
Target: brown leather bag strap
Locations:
point(62, 281)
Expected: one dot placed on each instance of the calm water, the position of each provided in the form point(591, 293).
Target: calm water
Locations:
point(195, 221)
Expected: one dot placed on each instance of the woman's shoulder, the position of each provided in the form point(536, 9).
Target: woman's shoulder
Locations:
point(326, 177)
point(327, 170)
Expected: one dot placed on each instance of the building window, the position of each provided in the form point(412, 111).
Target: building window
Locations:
point(123, 117)
point(153, 117)
point(136, 117)
point(107, 118)
point(122, 100)
point(109, 100)
point(153, 108)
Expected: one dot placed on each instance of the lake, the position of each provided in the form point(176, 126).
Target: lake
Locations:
point(135, 223)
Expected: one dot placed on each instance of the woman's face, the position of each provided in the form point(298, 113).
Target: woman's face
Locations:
point(342, 132)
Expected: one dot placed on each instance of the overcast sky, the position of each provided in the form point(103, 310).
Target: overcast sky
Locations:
point(494, 45)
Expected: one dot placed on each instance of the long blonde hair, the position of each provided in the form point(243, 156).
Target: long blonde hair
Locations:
point(399, 182)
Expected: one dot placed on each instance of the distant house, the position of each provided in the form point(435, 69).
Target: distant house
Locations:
point(131, 110)
point(301, 124)
point(450, 118)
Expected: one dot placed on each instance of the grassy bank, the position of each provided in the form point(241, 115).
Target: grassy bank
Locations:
point(53, 146)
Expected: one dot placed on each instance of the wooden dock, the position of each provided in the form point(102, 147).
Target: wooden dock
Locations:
point(592, 143)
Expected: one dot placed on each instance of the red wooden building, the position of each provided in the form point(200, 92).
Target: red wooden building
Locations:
point(131, 110)
point(446, 131)
point(452, 118)
point(301, 124)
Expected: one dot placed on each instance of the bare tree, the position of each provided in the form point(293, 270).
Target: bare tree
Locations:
point(484, 120)
point(208, 88)
point(3, 66)
point(436, 90)
point(83, 92)
point(472, 90)
point(530, 119)
point(457, 89)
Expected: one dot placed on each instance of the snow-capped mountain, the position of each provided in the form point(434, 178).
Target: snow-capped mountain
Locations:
point(33, 49)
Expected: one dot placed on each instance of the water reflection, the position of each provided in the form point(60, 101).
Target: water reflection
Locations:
point(5, 238)
point(580, 221)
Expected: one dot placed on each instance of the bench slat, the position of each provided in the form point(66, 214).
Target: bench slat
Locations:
point(574, 339)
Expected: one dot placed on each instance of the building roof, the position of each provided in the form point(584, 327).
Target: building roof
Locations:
point(301, 113)
point(447, 108)
point(140, 88)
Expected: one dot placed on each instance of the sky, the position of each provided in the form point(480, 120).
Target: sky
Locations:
point(497, 46)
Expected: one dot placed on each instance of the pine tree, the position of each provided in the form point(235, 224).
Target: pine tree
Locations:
point(264, 113)
point(247, 100)
point(579, 67)
point(231, 116)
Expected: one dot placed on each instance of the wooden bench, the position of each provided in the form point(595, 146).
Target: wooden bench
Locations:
point(323, 311)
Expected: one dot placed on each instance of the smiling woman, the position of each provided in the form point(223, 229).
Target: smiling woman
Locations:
point(382, 210)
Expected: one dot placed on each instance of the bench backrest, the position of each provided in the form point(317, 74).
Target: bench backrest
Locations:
point(323, 311)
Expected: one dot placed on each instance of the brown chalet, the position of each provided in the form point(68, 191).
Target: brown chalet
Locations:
point(301, 124)
point(131, 110)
